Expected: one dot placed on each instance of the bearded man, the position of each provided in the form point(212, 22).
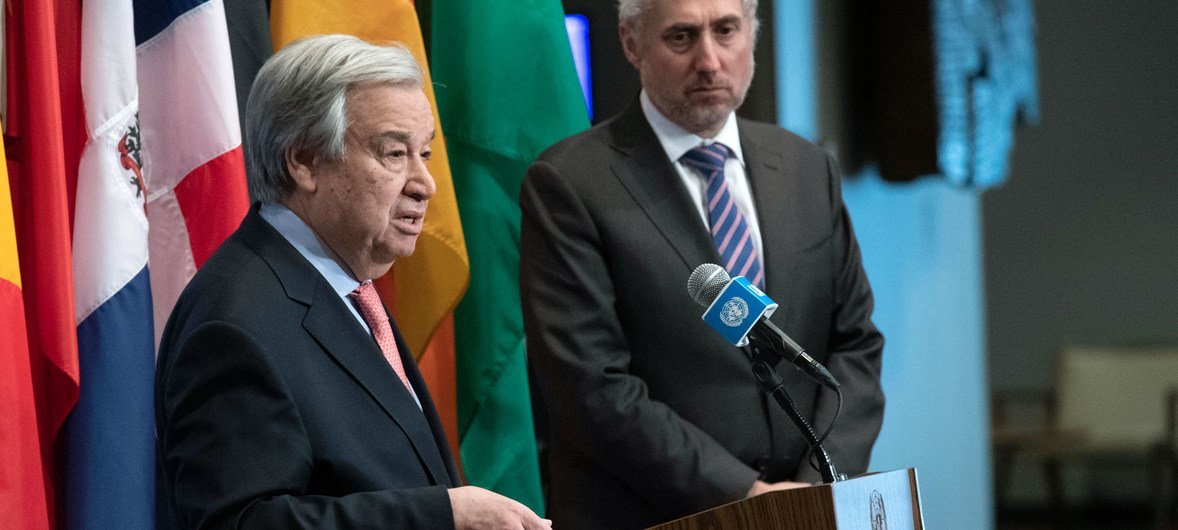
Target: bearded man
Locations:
point(651, 415)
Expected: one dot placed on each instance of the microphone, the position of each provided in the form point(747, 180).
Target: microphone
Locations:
point(740, 312)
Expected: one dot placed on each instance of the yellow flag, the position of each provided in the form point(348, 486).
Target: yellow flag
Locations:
point(428, 284)
point(9, 265)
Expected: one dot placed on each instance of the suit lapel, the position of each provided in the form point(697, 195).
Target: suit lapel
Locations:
point(651, 180)
point(770, 198)
point(778, 208)
point(336, 330)
point(346, 341)
point(443, 465)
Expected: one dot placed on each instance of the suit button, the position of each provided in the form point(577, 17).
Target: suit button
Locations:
point(761, 464)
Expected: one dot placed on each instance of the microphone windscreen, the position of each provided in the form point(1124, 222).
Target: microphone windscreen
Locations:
point(706, 282)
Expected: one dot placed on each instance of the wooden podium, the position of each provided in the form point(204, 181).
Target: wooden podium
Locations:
point(875, 501)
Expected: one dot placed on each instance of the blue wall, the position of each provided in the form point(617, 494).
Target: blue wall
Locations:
point(922, 249)
point(921, 246)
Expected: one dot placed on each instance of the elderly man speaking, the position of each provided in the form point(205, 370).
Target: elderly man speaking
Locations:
point(285, 397)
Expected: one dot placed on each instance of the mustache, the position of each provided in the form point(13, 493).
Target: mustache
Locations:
point(708, 81)
point(696, 87)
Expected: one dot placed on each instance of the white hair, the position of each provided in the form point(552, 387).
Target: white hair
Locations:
point(632, 14)
point(299, 98)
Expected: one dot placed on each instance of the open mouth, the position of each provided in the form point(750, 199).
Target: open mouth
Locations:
point(410, 222)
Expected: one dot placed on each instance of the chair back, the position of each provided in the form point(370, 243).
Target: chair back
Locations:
point(1117, 396)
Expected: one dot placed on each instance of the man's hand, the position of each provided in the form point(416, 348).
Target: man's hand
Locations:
point(477, 508)
point(760, 487)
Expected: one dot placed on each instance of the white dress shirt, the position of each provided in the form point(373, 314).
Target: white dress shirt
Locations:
point(303, 238)
point(677, 141)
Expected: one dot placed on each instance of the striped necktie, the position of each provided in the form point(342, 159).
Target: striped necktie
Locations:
point(730, 230)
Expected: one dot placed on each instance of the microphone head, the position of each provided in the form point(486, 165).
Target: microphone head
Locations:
point(706, 282)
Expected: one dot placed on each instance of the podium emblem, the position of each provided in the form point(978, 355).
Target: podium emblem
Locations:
point(879, 518)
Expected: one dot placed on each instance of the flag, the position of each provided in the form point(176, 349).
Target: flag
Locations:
point(35, 141)
point(193, 166)
point(22, 487)
point(496, 125)
point(108, 472)
point(425, 287)
point(96, 348)
point(248, 22)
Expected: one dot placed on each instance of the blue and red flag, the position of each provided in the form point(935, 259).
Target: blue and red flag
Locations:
point(193, 162)
point(160, 184)
point(123, 150)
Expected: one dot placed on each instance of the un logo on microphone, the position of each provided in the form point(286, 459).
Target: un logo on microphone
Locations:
point(734, 312)
point(737, 309)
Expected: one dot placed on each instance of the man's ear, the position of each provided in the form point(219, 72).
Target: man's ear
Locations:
point(302, 164)
point(629, 44)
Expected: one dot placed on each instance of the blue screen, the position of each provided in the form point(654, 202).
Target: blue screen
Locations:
point(578, 29)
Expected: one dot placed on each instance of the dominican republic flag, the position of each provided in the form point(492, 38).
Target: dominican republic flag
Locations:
point(109, 468)
point(161, 183)
point(192, 163)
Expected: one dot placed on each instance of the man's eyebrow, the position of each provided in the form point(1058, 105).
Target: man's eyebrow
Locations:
point(692, 26)
point(680, 26)
point(403, 136)
point(730, 19)
point(398, 135)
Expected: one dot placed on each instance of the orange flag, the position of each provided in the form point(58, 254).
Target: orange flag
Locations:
point(424, 288)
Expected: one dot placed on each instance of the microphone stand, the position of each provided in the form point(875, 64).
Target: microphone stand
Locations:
point(772, 383)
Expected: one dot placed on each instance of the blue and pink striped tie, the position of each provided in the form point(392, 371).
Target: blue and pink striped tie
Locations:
point(730, 231)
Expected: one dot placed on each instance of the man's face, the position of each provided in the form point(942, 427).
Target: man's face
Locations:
point(695, 58)
point(369, 207)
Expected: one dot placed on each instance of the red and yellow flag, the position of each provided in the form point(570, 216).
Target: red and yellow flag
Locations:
point(22, 489)
point(427, 285)
point(42, 144)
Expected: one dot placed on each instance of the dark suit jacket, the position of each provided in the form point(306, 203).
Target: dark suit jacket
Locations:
point(652, 415)
point(276, 409)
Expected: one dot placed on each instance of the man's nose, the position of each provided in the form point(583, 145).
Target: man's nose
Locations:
point(707, 54)
point(421, 185)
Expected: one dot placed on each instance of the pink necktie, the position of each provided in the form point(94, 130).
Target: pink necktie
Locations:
point(368, 301)
point(730, 231)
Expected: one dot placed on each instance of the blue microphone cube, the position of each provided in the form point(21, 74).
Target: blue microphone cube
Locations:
point(737, 309)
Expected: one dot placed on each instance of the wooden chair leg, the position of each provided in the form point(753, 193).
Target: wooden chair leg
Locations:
point(1164, 471)
point(1167, 507)
point(1003, 460)
point(1157, 482)
point(1170, 520)
point(1051, 471)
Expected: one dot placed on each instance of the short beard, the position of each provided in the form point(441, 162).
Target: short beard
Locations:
point(699, 119)
point(702, 119)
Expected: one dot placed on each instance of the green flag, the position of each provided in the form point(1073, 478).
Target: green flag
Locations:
point(507, 89)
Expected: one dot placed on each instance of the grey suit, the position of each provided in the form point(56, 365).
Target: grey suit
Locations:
point(652, 415)
point(275, 408)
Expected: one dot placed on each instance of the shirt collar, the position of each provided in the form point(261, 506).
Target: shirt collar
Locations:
point(303, 238)
point(677, 141)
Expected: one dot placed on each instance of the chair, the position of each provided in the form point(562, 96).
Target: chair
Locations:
point(1106, 402)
